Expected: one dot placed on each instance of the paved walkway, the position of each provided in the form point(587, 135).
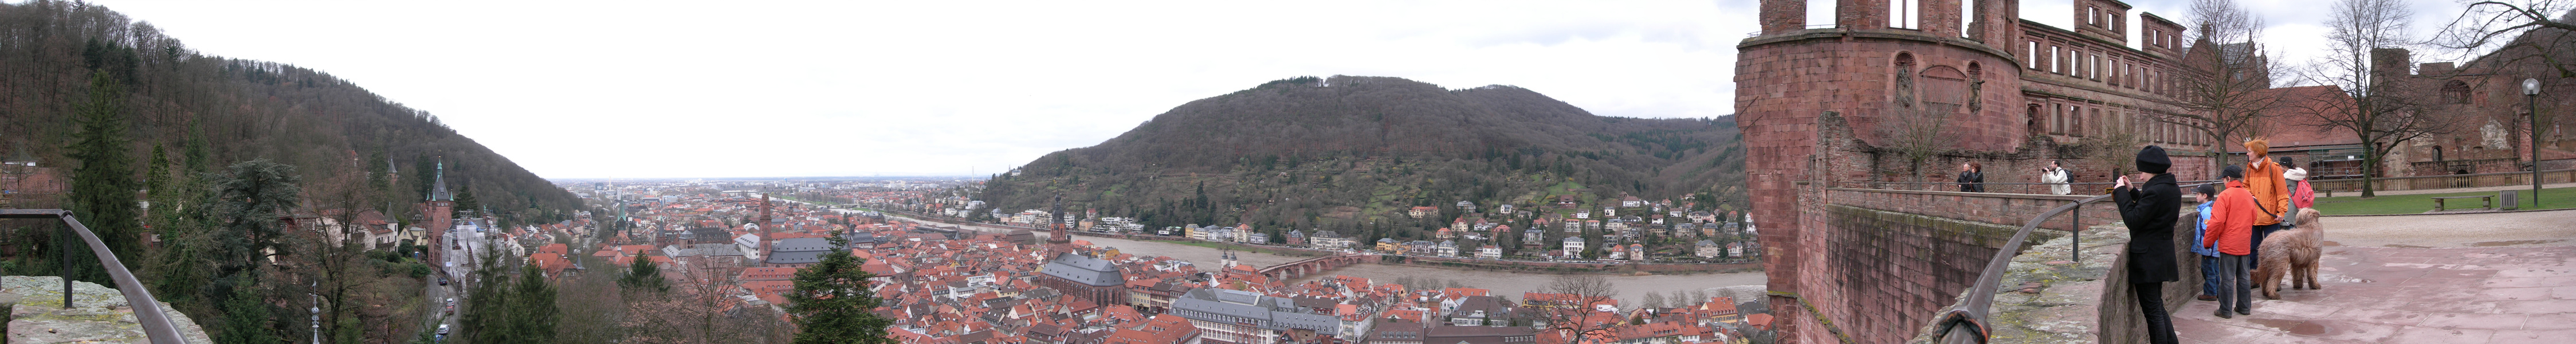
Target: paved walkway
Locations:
point(2520, 229)
point(2411, 295)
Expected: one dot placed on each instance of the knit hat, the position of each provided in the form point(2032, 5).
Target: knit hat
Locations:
point(2295, 174)
point(2152, 160)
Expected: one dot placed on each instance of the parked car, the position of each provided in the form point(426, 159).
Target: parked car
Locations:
point(442, 329)
point(442, 281)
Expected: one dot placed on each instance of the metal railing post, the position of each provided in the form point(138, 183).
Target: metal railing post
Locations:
point(63, 254)
point(2075, 234)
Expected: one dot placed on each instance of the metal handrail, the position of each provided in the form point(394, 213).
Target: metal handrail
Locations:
point(147, 310)
point(1968, 321)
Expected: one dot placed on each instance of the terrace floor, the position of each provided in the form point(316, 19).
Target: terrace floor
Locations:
point(2481, 291)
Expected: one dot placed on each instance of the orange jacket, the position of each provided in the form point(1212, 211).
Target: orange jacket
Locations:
point(2231, 221)
point(2263, 178)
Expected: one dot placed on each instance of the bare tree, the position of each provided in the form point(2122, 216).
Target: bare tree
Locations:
point(2495, 25)
point(2228, 82)
point(702, 307)
point(1569, 306)
point(1916, 135)
point(2375, 106)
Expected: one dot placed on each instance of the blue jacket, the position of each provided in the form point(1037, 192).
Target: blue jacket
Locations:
point(2199, 228)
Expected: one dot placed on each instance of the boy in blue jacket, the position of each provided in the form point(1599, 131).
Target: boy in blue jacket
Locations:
point(2208, 256)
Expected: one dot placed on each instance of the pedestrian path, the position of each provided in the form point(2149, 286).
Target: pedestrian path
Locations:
point(2411, 295)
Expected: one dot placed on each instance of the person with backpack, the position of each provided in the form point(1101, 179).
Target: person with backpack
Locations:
point(2056, 177)
point(2150, 203)
point(2231, 233)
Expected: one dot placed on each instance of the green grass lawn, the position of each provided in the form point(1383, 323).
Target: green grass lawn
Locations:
point(2554, 198)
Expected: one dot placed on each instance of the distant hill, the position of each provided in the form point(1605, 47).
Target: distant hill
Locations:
point(1344, 152)
point(233, 110)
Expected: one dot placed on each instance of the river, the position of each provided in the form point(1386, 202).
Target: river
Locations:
point(1502, 283)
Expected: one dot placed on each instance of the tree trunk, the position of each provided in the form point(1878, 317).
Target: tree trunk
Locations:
point(2369, 169)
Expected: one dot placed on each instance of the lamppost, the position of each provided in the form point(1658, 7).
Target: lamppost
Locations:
point(2531, 97)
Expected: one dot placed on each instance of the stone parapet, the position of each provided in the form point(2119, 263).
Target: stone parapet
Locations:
point(2046, 298)
point(99, 315)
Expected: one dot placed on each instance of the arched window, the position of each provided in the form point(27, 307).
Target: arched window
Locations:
point(2456, 92)
point(2437, 153)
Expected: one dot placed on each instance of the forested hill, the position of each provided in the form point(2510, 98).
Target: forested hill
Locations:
point(1343, 152)
point(209, 111)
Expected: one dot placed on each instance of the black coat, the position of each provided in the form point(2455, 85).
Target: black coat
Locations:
point(2151, 209)
point(1972, 181)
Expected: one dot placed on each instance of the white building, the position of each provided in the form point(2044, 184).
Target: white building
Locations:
point(1573, 246)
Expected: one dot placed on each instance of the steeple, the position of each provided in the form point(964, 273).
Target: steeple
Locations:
point(438, 184)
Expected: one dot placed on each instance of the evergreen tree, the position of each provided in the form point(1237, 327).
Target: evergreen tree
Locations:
point(485, 318)
point(254, 194)
point(832, 303)
point(245, 316)
point(103, 186)
point(533, 314)
point(642, 275)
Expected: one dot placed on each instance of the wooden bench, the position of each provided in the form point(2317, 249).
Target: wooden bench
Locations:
point(2489, 202)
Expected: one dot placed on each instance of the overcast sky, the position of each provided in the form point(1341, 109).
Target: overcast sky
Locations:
point(642, 89)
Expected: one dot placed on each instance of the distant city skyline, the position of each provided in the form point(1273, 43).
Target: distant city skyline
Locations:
point(675, 90)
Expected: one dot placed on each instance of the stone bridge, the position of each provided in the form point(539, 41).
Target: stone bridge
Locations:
point(1301, 268)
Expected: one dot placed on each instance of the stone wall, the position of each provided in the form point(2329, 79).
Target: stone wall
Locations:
point(1991, 208)
point(2046, 296)
point(99, 315)
point(1895, 270)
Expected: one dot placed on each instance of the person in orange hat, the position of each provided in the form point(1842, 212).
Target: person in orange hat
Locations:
point(2271, 192)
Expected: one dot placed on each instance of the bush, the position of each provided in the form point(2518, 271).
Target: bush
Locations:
point(419, 270)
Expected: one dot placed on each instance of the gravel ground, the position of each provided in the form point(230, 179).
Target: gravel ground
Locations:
point(2523, 229)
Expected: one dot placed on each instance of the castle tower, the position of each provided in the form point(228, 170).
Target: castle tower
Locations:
point(1876, 66)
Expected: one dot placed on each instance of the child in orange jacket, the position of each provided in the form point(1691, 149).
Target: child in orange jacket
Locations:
point(2231, 232)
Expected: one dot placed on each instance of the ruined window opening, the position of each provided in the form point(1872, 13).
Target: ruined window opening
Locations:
point(1902, 14)
point(2092, 15)
point(1821, 13)
point(2056, 64)
point(2031, 55)
point(2457, 92)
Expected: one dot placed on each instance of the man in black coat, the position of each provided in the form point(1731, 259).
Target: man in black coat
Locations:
point(2151, 208)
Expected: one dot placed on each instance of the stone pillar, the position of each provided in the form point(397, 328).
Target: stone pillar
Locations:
point(1994, 22)
point(1940, 18)
point(1861, 14)
point(1783, 16)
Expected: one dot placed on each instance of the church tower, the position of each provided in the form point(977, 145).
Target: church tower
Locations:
point(1059, 241)
point(440, 208)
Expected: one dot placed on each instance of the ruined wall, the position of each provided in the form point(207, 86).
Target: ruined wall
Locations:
point(1894, 271)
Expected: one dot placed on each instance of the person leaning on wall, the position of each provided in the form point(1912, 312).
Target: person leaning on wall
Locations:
point(2150, 203)
point(1971, 179)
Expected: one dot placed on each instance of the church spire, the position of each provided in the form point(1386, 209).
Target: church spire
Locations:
point(438, 185)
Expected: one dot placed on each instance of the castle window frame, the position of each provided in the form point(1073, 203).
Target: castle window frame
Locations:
point(2455, 92)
